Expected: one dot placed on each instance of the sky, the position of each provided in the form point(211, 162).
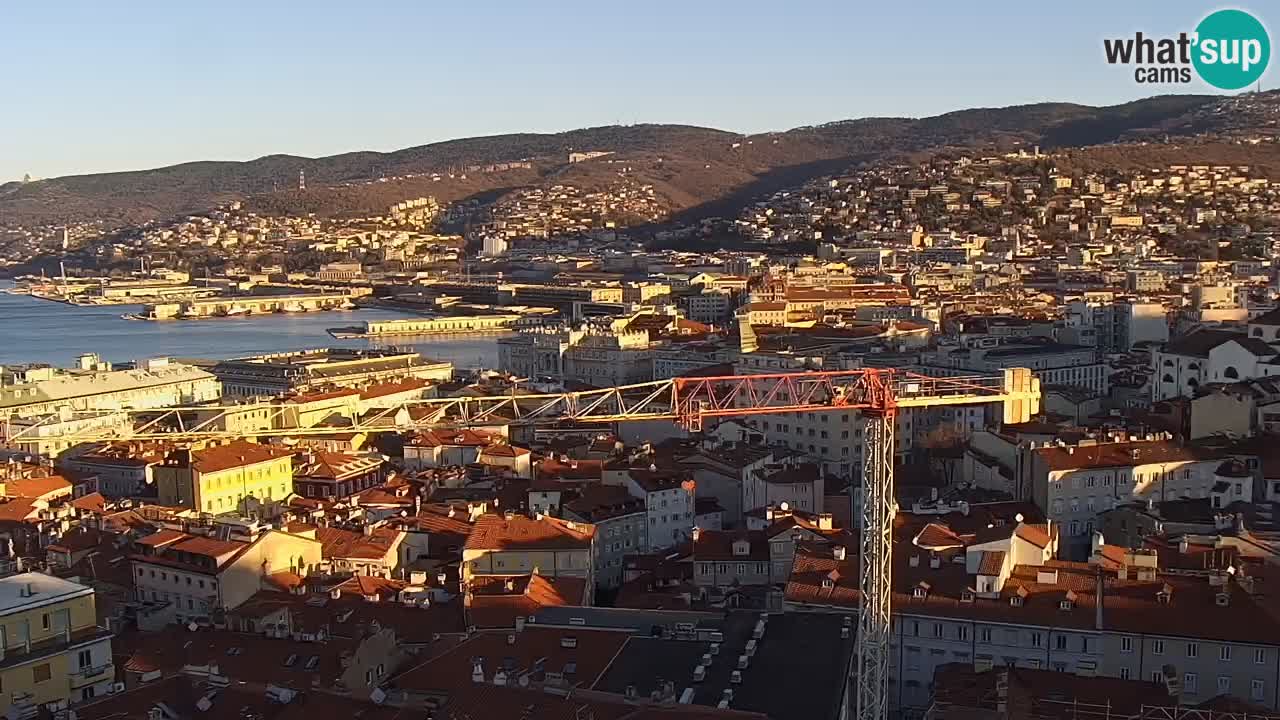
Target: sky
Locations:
point(93, 86)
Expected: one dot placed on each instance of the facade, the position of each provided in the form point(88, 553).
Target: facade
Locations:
point(219, 478)
point(189, 577)
point(621, 528)
point(123, 469)
point(156, 383)
point(994, 596)
point(514, 545)
point(1053, 363)
point(668, 497)
point(594, 355)
point(1073, 484)
point(1119, 325)
point(731, 558)
point(308, 370)
point(322, 474)
point(54, 651)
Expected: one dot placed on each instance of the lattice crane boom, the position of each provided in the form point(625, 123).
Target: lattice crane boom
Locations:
point(877, 393)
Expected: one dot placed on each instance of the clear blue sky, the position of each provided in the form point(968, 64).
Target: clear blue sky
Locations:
point(92, 86)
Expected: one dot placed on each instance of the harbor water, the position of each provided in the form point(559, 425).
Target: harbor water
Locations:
point(33, 330)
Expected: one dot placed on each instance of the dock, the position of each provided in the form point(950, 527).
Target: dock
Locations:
point(254, 305)
point(445, 325)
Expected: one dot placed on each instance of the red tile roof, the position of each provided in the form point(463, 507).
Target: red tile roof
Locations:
point(517, 532)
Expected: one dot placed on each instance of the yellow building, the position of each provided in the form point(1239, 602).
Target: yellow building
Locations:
point(216, 479)
point(51, 646)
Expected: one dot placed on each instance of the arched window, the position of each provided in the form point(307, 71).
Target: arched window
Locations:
point(1257, 332)
point(1167, 378)
point(1231, 373)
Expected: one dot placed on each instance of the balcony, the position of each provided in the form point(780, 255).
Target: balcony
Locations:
point(50, 647)
point(91, 675)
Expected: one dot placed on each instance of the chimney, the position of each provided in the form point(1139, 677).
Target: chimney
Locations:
point(1098, 599)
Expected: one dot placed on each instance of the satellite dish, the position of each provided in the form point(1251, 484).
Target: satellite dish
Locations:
point(192, 626)
point(785, 505)
point(378, 696)
point(1019, 517)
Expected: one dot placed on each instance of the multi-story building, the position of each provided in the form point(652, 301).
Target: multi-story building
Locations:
point(53, 650)
point(1053, 363)
point(1073, 484)
point(155, 383)
point(731, 558)
point(218, 478)
point(621, 527)
point(514, 545)
point(122, 469)
point(322, 474)
point(984, 589)
point(1116, 325)
point(190, 576)
point(668, 496)
point(793, 485)
point(308, 370)
point(595, 355)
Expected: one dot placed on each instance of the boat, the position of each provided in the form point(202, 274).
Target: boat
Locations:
point(347, 305)
point(133, 316)
point(188, 315)
point(293, 307)
point(347, 333)
point(236, 310)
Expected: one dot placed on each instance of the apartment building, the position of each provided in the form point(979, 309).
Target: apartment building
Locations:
point(218, 478)
point(323, 474)
point(122, 469)
point(621, 527)
point(514, 545)
point(983, 589)
point(1072, 484)
point(668, 496)
point(731, 558)
point(186, 576)
point(52, 649)
point(1115, 326)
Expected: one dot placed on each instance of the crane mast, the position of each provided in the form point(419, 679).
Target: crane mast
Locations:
point(877, 393)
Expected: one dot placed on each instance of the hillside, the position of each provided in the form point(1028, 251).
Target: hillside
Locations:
point(699, 170)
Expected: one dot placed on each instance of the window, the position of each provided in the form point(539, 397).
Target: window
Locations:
point(41, 673)
point(1224, 653)
point(1060, 642)
point(1191, 683)
point(1157, 647)
point(84, 659)
point(44, 621)
point(1037, 640)
point(1260, 656)
point(1126, 644)
point(985, 634)
point(1257, 690)
point(1193, 650)
point(937, 630)
point(1124, 673)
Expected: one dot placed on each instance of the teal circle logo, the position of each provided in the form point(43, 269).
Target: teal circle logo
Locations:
point(1232, 49)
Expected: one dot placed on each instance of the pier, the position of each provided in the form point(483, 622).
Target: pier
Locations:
point(254, 305)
